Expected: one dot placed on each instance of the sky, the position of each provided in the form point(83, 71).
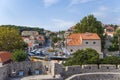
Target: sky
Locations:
point(56, 15)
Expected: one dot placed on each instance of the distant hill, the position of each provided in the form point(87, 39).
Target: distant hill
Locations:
point(25, 28)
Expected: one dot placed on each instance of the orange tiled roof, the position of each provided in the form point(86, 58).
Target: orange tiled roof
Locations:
point(5, 56)
point(76, 38)
point(74, 42)
point(74, 35)
point(41, 38)
point(110, 33)
point(110, 28)
point(89, 36)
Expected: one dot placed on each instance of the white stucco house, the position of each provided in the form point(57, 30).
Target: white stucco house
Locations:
point(109, 31)
point(78, 41)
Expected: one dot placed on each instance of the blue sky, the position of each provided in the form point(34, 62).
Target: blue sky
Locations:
point(57, 15)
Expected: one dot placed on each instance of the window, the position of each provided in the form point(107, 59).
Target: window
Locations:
point(107, 67)
point(89, 67)
point(86, 42)
point(71, 50)
point(37, 72)
point(94, 42)
point(21, 73)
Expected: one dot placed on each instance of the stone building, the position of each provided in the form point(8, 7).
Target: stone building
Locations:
point(78, 41)
point(29, 33)
point(109, 31)
point(33, 39)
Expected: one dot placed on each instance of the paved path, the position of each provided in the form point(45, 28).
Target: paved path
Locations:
point(92, 74)
point(39, 77)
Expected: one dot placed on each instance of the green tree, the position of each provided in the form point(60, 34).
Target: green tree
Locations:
point(88, 56)
point(117, 38)
point(55, 39)
point(110, 60)
point(19, 55)
point(10, 39)
point(24, 28)
point(114, 47)
point(89, 24)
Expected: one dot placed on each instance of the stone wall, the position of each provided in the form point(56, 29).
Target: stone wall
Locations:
point(4, 72)
point(12, 70)
point(28, 68)
point(71, 70)
point(95, 76)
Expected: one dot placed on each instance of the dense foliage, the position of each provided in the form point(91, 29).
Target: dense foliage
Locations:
point(110, 60)
point(55, 39)
point(19, 55)
point(115, 45)
point(23, 28)
point(10, 39)
point(89, 24)
point(88, 56)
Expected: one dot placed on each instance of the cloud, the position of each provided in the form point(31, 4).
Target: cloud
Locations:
point(118, 19)
point(5, 6)
point(103, 8)
point(101, 12)
point(74, 2)
point(116, 10)
point(58, 24)
point(107, 15)
point(62, 24)
point(49, 3)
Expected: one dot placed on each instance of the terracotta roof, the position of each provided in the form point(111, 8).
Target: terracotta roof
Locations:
point(89, 36)
point(5, 56)
point(110, 33)
point(41, 38)
point(76, 38)
point(74, 42)
point(74, 35)
point(110, 28)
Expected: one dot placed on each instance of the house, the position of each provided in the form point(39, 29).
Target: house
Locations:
point(109, 31)
point(40, 39)
point(29, 33)
point(78, 41)
point(33, 39)
point(5, 57)
point(69, 31)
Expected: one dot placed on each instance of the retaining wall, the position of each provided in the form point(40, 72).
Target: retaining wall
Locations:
point(77, 69)
point(12, 70)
